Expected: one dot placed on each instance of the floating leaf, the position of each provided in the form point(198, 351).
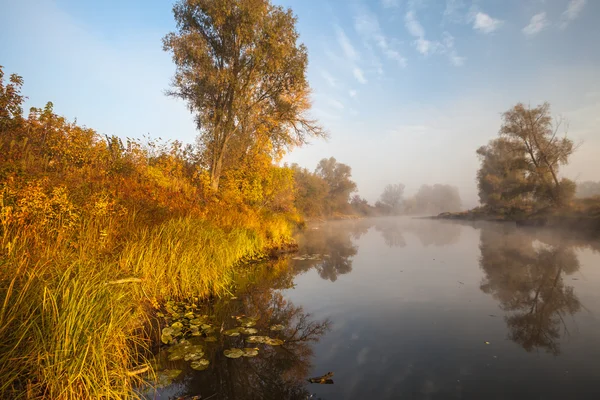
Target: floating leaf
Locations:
point(168, 331)
point(166, 338)
point(161, 315)
point(177, 326)
point(250, 352)
point(273, 342)
point(232, 332)
point(166, 377)
point(190, 315)
point(185, 351)
point(247, 321)
point(200, 365)
point(248, 331)
point(210, 339)
point(257, 339)
point(233, 353)
point(277, 327)
point(197, 321)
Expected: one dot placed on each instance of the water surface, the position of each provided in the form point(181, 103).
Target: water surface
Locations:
point(417, 309)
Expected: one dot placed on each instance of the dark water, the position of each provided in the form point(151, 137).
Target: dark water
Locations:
point(416, 309)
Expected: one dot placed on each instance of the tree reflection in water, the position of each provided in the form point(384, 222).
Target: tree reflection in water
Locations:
point(526, 276)
point(278, 372)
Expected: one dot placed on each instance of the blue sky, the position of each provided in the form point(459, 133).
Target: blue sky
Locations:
point(408, 89)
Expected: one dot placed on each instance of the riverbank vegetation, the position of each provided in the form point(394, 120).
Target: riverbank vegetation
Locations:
point(96, 230)
point(520, 180)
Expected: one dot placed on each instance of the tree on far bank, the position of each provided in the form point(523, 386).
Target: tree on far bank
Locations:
point(242, 72)
point(520, 170)
point(338, 177)
point(392, 197)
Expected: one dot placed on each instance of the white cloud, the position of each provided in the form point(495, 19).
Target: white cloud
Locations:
point(537, 24)
point(353, 93)
point(345, 44)
point(453, 11)
point(573, 10)
point(367, 26)
point(359, 75)
point(426, 47)
point(390, 3)
point(329, 78)
point(486, 24)
point(413, 26)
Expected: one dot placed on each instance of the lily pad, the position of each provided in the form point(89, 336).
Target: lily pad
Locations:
point(166, 377)
point(233, 353)
point(247, 322)
point(277, 327)
point(177, 326)
point(210, 339)
point(257, 339)
point(185, 351)
point(190, 315)
point(197, 321)
point(250, 352)
point(166, 338)
point(232, 332)
point(248, 331)
point(273, 342)
point(200, 365)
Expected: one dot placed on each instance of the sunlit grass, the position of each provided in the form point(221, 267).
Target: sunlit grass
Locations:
point(73, 311)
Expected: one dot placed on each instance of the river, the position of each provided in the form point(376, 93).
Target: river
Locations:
point(413, 309)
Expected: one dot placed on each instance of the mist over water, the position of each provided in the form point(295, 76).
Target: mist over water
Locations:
point(400, 307)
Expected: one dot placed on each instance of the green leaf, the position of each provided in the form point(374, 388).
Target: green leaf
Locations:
point(250, 352)
point(233, 353)
point(277, 327)
point(200, 365)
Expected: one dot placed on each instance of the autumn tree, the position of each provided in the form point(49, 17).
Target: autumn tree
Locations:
point(534, 133)
point(392, 197)
point(242, 72)
point(338, 177)
point(502, 178)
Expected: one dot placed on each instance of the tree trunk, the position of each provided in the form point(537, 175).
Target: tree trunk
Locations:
point(215, 173)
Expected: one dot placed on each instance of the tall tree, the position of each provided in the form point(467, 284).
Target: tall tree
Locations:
point(533, 132)
point(243, 73)
point(338, 177)
point(392, 197)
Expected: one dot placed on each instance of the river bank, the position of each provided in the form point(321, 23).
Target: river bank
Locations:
point(574, 220)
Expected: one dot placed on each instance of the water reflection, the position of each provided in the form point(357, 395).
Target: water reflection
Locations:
point(331, 248)
point(526, 276)
point(278, 372)
point(429, 232)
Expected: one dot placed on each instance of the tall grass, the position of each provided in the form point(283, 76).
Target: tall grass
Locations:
point(72, 315)
point(187, 257)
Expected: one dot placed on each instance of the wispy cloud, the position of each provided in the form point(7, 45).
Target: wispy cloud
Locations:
point(482, 22)
point(450, 51)
point(331, 81)
point(359, 75)
point(345, 44)
point(537, 24)
point(367, 26)
point(353, 93)
point(573, 10)
point(427, 47)
point(413, 27)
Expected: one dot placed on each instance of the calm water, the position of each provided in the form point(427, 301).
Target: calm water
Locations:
point(416, 309)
